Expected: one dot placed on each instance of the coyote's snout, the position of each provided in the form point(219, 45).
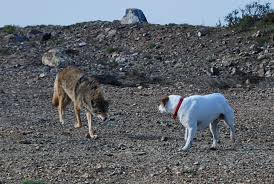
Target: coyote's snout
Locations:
point(71, 84)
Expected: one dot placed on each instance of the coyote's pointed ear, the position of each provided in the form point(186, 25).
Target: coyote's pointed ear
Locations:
point(164, 100)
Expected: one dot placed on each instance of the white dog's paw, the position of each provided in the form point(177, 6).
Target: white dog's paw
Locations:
point(93, 136)
point(161, 109)
point(233, 140)
point(62, 121)
point(186, 148)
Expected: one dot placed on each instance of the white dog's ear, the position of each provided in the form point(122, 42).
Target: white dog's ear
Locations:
point(164, 101)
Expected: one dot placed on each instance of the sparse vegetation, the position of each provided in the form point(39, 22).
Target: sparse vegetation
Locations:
point(33, 182)
point(219, 23)
point(110, 50)
point(253, 14)
point(4, 52)
point(263, 40)
point(56, 41)
point(9, 29)
point(153, 45)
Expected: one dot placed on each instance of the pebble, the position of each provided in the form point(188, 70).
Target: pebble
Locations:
point(82, 44)
point(163, 138)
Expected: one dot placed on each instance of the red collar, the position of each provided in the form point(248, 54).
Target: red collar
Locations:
point(178, 107)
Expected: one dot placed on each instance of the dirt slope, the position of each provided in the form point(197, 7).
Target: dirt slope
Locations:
point(137, 144)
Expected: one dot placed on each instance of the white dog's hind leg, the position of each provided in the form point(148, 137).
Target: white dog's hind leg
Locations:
point(232, 132)
point(186, 134)
point(230, 122)
point(191, 135)
point(229, 118)
point(215, 134)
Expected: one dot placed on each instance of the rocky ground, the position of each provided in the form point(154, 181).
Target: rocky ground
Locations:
point(137, 65)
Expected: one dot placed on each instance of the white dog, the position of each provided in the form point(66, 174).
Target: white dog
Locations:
point(198, 112)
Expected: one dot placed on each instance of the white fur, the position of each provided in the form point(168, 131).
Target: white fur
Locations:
point(198, 112)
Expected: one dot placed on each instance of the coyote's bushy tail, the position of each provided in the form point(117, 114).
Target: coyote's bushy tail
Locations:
point(55, 99)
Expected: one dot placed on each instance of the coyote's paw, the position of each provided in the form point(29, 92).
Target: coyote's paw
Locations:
point(78, 125)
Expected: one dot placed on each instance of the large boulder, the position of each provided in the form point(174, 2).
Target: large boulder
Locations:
point(133, 16)
point(56, 57)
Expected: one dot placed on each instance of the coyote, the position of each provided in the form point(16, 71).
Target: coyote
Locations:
point(71, 84)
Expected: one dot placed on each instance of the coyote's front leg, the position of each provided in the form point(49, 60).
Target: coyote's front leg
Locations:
point(78, 123)
point(91, 130)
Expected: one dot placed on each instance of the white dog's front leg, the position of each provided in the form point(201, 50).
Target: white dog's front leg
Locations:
point(186, 134)
point(191, 135)
point(214, 131)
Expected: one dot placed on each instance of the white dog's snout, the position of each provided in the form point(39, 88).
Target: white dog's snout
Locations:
point(161, 108)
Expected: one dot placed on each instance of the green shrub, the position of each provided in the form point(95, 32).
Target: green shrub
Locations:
point(246, 22)
point(4, 51)
point(268, 19)
point(219, 23)
point(249, 16)
point(33, 182)
point(56, 41)
point(152, 45)
point(267, 35)
point(263, 40)
point(256, 10)
point(232, 18)
point(9, 29)
point(110, 50)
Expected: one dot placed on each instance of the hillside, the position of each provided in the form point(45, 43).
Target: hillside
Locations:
point(137, 65)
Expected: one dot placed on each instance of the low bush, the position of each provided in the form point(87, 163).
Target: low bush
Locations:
point(252, 15)
point(9, 29)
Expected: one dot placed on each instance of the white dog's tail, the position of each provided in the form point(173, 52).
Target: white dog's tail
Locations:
point(55, 99)
point(229, 118)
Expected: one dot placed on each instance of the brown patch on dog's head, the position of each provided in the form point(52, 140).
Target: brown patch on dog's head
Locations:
point(162, 106)
point(164, 100)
